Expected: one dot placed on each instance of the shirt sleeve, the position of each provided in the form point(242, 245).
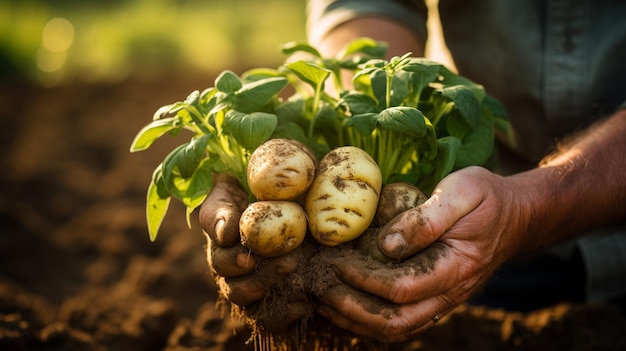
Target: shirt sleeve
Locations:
point(324, 15)
point(604, 254)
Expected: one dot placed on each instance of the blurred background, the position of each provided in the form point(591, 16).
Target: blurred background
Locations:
point(55, 41)
point(50, 42)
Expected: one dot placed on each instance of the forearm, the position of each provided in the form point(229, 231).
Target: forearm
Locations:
point(400, 38)
point(581, 186)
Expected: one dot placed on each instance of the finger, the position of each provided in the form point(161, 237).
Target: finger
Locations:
point(231, 261)
point(279, 318)
point(403, 282)
point(366, 314)
point(437, 270)
point(220, 212)
point(415, 229)
point(267, 273)
point(242, 291)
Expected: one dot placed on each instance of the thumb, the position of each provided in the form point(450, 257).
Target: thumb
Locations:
point(220, 212)
point(417, 228)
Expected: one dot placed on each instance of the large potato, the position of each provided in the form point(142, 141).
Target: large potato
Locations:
point(280, 169)
point(342, 200)
point(272, 228)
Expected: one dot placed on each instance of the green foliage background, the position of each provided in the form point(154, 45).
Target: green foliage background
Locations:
point(113, 40)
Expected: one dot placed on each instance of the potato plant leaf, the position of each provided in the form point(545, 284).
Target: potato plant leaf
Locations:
point(465, 102)
point(365, 46)
point(447, 148)
point(359, 103)
point(184, 160)
point(293, 47)
point(250, 130)
point(364, 123)
point(228, 82)
point(403, 120)
point(153, 131)
point(198, 187)
point(477, 145)
point(254, 95)
point(157, 203)
point(309, 73)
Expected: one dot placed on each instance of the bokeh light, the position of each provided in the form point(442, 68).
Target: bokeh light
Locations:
point(58, 35)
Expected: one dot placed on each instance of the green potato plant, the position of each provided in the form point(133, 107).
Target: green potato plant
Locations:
point(417, 119)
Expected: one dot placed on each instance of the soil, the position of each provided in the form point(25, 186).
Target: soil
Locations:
point(78, 272)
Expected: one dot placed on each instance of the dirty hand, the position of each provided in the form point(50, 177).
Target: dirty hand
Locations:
point(447, 248)
point(243, 277)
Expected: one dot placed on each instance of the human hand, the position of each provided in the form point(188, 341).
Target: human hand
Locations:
point(244, 278)
point(447, 248)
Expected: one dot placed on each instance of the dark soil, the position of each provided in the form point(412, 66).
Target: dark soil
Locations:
point(78, 272)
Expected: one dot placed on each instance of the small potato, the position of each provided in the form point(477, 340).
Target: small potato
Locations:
point(281, 169)
point(272, 228)
point(396, 198)
point(342, 200)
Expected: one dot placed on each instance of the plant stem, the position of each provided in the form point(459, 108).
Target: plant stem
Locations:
point(198, 119)
point(315, 108)
point(388, 92)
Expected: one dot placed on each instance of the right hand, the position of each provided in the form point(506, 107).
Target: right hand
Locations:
point(243, 277)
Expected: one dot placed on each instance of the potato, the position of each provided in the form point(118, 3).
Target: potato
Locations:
point(272, 228)
point(396, 198)
point(342, 200)
point(280, 169)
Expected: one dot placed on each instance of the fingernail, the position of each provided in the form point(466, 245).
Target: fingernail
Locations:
point(394, 244)
point(219, 228)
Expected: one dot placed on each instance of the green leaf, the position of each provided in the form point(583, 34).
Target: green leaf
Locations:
point(364, 123)
point(228, 82)
point(447, 148)
point(400, 87)
point(193, 98)
point(184, 160)
point(198, 187)
point(477, 145)
point(424, 72)
point(465, 102)
point(254, 95)
point(359, 103)
point(309, 73)
point(378, 80)
point(292, 111)
point(451, 79)
point(157, 203)
point(327, 123)
point(163, 112)
point(290, 130)
point(250, 130)
point(255, 74)
point(207, 94)
point(366, 46)
point(296, 46)
point(153, 131)
point(403, 120)
point(188, 187)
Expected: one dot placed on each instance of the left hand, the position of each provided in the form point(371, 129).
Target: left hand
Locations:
point(448, 247)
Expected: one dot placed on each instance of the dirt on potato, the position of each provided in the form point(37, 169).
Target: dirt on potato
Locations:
point(78, 271)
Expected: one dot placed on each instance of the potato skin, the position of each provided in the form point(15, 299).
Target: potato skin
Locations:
point(281, 169)
point(272, 228)
point(396, 198)
point(343, 198)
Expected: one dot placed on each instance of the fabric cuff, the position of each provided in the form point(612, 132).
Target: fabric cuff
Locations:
point(604, 254)
point(326, 15)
